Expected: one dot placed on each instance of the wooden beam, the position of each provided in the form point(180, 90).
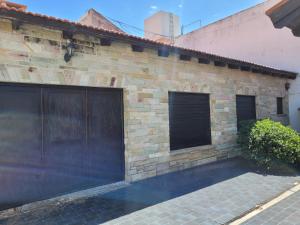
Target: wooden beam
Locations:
point(137, 48)
point(203, 61)
point(220, 64)
point(233, 66)
point(163, 52)
point(245, 68)
point(105, 42)
point(185, 57)
point(266, 73)
point(255, 70)
point(67, 35)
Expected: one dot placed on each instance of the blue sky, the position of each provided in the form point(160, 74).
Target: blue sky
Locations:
point(134, 12)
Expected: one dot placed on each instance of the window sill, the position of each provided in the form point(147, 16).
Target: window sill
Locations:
point(192, 149)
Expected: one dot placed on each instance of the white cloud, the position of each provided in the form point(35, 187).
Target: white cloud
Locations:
point(153, 9)
point(180, 5)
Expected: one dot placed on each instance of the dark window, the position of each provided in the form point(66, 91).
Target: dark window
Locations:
point(245, 108)
point(279, 105)
point(189, 120)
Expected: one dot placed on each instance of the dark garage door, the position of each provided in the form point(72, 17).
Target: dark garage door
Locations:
point(57, 139)
point(245, 108)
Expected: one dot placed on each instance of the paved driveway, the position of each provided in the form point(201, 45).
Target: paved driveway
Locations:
point(211, 194)
point(286, 212)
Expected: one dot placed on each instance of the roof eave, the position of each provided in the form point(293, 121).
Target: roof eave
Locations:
point(286, 14)
point(72, 27)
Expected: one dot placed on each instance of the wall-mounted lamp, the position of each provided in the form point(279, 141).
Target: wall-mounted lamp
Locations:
point(112, 81)
point(69, 50)
point(287, 86)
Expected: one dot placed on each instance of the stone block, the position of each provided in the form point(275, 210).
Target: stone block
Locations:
point(162, 166)
point(5, 25)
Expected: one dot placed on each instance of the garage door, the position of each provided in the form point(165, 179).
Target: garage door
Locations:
point(57, 139)
point(245, 108)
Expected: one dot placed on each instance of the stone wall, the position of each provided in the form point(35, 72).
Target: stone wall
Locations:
point(35, 55)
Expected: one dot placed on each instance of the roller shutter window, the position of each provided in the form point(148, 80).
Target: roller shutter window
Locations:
point(279, 106)
point(189, 115)
point(245, 108)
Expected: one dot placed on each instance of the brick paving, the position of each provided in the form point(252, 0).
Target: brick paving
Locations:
point(213, 205)
point(211, 194)
point(286, 212)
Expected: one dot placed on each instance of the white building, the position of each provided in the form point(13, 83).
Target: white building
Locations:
point(250, 35)
point(162, 26)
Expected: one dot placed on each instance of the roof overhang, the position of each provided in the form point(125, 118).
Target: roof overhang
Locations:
point(20, 17)
point(13, 5)
point(286, 14)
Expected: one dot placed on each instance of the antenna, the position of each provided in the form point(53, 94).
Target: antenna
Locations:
point(192, 23)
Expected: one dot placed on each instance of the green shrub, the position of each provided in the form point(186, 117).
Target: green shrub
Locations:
point(269, 142)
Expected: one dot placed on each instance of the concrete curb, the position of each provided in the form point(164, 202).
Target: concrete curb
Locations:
point(263, 207)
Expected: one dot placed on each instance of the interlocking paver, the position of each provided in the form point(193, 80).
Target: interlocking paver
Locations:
point(210, 201)
point(286, 212)
point(212, 194)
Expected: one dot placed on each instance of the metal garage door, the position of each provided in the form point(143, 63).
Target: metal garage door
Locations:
point(57, 139)
point(245, 108)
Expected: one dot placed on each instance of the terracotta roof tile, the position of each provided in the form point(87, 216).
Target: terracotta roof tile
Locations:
point(15, 13)
point(12, 5)
point(96, 19)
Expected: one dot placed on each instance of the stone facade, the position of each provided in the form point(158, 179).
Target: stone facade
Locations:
point(34, 54)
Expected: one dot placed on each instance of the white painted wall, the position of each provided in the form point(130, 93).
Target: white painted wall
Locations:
point(251, 36)
point(163, 23)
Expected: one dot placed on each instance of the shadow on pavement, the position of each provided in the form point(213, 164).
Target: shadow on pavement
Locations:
point(139, 195)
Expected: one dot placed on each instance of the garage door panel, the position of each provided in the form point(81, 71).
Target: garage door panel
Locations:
point(58, 139)
point(20, 123)
point(105, 132)
point(105, 112)
point(64, 126)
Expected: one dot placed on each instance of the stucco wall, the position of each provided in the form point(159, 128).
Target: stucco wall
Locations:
point(251, 36)
point(35, 55)
point(163, 23)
